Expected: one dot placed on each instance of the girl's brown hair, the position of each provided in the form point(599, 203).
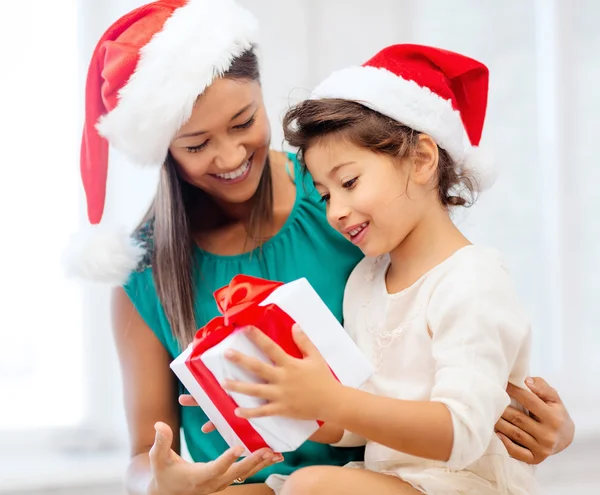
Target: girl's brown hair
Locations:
point(176, 213)
point(312, 120)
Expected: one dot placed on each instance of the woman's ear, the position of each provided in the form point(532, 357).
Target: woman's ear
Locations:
point(425, 160)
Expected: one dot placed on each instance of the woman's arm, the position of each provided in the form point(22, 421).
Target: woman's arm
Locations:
point(149, 388)
point(150, 391)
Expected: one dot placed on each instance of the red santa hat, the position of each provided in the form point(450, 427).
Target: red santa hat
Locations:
point(144, 78)
point(437, 92)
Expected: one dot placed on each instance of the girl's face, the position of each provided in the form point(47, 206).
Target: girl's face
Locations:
point(372, 199)
point(223, 147)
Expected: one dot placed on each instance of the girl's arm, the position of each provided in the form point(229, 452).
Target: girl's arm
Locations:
point(479, 336)
point(422, 429)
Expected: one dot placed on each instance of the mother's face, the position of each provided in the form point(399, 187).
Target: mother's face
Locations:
point(223, 147)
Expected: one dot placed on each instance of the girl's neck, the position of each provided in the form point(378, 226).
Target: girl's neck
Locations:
point(431, 242)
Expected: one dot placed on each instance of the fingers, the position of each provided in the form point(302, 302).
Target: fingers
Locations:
point(208, 427)
point(221, 464)
point(261, 369)
point(260, 390)
point(266, 463)
point(252, 464)
point(516, 451)
point(258, 412)
point(540, 387)
point(529, 401)
point(273, 351)
point(522, 422)
point(515, 434)
point(303, 342)
point(187, 400)
point(160, 453)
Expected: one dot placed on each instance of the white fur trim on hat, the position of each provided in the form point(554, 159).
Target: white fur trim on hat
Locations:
point(405, 101)
point(102, 254)
point(196, 45)
point(412, 105)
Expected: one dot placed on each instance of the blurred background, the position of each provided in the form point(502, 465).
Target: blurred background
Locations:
point(62, 427)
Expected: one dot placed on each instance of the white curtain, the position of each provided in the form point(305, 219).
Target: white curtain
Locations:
point(40, 317)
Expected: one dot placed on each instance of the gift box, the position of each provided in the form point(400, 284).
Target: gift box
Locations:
point(273, 308)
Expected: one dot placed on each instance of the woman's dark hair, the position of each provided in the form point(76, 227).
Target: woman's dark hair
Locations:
point(312, 120)
point(174, 213)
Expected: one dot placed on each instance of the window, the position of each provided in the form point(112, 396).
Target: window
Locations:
point(41, 363)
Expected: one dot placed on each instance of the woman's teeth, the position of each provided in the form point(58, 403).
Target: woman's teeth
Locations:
point(234, 174)
point(357, 230)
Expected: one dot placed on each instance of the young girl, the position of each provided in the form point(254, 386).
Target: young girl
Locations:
point(391, 147)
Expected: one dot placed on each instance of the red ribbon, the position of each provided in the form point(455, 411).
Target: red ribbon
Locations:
point(238, 303)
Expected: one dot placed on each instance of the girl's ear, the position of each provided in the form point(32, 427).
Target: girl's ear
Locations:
point(425, 160)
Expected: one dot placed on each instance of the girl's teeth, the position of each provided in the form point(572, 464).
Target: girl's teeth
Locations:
point(235, 173)
point(357, 230)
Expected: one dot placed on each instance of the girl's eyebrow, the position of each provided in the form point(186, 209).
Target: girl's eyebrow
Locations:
point(334, 170)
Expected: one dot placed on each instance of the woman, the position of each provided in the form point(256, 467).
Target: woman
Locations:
point(175, 84)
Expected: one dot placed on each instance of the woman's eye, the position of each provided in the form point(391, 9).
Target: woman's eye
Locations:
point(196, 149)
point(325, 198)
point(246, 124)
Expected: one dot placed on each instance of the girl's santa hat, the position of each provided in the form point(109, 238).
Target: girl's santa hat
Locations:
point(145, 76)
point(437, 92)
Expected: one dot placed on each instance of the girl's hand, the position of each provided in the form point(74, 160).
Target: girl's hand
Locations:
point(295, 388)
point(172, 475)
point(547, 430)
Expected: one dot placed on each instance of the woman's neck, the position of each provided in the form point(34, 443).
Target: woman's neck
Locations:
point(224, 229)
point(240, 213)
point(431, 242)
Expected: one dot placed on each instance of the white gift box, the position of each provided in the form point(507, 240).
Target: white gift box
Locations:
point(300, 301)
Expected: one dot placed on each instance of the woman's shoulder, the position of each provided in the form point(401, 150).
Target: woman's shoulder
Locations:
point(140, 284)
point(301, 177)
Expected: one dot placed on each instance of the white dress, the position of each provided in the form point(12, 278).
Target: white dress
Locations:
point(456, 336)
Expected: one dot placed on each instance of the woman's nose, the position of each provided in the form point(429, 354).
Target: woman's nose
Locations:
point(230, 156)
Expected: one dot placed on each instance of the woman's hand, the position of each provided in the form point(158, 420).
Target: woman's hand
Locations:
point(172, 475)
point(547, 430)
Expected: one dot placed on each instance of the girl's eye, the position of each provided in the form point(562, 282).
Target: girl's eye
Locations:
point(196, 149)
point(350, 183)
point(246, 124)
point(325, 198)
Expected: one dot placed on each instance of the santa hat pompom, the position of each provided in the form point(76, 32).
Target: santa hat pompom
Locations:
point(479, 163)
point(102, 254)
